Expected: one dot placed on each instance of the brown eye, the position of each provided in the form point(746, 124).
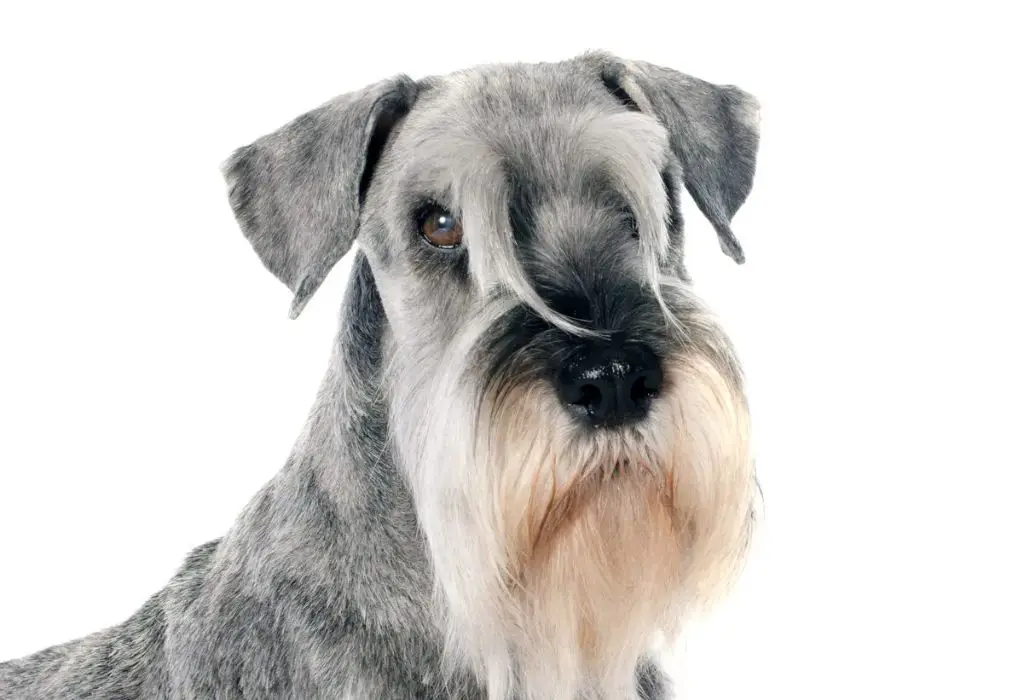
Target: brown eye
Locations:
point(440, 228)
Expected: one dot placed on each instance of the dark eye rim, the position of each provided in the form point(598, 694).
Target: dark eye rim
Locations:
point(631, 221)
point(425, 211)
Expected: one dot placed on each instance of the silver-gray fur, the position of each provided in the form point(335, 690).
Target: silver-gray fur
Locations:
point(374, 565)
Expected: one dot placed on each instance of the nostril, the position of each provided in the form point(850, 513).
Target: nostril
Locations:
point(646, 386)
point(589, 396)
point(644, 389)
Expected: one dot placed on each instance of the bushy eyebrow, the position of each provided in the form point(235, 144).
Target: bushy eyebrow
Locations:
point(496, 182)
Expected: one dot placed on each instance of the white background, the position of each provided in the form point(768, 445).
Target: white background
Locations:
point(150, 381)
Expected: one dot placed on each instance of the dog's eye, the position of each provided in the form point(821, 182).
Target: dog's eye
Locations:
point(440, 227)
point(631, 223)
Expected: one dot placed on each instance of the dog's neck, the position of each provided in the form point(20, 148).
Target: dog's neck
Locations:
point(357, 519)
point(326, 533)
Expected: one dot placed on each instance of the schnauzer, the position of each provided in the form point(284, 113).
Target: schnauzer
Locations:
point(529, 460)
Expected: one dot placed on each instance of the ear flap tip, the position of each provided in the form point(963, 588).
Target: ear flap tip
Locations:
point(299, 302)
point(728, 243)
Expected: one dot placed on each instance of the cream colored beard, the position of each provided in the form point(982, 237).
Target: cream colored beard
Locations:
point(611, 541)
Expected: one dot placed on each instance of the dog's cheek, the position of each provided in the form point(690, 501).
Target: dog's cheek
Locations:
point(712, 474)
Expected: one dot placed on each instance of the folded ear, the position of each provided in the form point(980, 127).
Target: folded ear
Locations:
point(713, 130)
point(297, 193)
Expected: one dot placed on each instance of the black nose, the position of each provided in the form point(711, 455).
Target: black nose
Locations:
point(610, 384)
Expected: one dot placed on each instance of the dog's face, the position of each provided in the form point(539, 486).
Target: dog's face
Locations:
point(570, 419)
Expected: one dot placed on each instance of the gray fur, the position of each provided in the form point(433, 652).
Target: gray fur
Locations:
point(325, 586)
point(296, 192)
point(713, 130)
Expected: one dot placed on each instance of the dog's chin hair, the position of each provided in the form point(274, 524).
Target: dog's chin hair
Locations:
point(561, 554)
point(613, 538)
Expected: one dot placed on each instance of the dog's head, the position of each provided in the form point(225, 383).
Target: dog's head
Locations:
point(569, 417)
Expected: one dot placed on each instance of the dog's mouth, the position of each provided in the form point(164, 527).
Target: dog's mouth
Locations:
point(627, 467)
point(552, 511)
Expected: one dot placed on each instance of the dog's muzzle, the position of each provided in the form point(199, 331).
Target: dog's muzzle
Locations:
point(609, 383)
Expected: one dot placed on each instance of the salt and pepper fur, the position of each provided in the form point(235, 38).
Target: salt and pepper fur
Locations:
point(444, 528)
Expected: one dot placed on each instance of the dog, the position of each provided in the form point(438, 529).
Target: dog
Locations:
point(530, 458)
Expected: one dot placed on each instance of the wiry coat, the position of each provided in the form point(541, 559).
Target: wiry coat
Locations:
point(326, 586)
point(313, 593)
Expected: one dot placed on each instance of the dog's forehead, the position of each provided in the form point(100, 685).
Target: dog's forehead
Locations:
point(521, 90)
point(552, 123)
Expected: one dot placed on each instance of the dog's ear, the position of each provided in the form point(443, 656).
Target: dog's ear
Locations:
point(297, 193)
point(713, 130)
